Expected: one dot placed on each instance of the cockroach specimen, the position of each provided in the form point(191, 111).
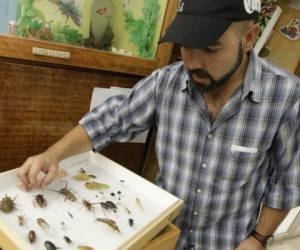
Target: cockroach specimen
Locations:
point(110, 223)
point(50, 246)
point(7, 204)
point(40, 200)
point(31, 236)
point(67, 239)
point(43, 224)
point(21, 220)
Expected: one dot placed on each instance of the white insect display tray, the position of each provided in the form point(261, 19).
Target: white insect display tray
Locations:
point(154, 211)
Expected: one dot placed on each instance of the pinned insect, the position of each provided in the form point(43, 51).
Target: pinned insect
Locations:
point(96, 185)
point(130, 221)
point(67, 193)
point(31, 236)
point(67, 239)
point(43, 224)
point(109, 205)
point(139, 204)
point(50, 246)
point(85, 248)
point(81, 177)
point(40, 200)
point(110, 223)
point(70, 215)
point(21, 220)
point(88, 205)
point(7, 204)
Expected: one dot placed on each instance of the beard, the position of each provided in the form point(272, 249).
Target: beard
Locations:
point(216, 84)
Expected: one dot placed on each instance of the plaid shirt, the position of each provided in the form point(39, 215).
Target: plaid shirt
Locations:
point(225, 170)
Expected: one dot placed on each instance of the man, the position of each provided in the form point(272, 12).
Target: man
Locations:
point(228, 130)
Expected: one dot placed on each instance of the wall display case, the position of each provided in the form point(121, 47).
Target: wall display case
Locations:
point(114, 35)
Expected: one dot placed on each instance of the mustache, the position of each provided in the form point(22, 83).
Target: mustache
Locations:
point(199, 72)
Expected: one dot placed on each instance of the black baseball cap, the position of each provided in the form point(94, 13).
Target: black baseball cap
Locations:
point(200, 23)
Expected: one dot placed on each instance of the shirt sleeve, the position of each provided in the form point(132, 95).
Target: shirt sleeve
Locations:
point(283, 187)
point(120, 118)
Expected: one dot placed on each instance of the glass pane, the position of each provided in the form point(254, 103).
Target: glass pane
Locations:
point(130, 27)
point(7, 13)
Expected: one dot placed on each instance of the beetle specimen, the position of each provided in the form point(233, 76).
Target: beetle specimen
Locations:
point(130, 221)
point(82, 171)
point(21, 220)
point(85, 248)
point(42, 223)
point(50, 246)
point(31, 236)
point(70, 215)
point(110, 223)
point(67, 239)
point(40, 200)
point(7, 204)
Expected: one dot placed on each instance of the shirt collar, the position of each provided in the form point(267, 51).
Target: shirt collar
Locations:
point(252, 85)
point(186, 84)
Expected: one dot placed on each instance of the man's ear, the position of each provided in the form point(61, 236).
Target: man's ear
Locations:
point(250, 36)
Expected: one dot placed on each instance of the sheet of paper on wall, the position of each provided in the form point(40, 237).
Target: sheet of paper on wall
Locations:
point(101, 94)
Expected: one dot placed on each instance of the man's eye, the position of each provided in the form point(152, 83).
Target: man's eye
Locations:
point(211, 50)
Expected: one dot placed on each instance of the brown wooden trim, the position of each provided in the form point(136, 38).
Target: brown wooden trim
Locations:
point(297, 72)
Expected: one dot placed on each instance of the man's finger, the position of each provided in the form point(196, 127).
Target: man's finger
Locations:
point(49, 177)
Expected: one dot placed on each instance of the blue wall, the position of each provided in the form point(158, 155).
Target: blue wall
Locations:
point(8, 10)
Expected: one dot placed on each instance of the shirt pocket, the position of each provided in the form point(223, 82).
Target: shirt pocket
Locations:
point(238, 166)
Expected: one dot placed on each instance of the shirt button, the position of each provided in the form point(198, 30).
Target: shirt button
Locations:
point(204, 165)
point(195, 213)
point(199, 190)
point(209, 136)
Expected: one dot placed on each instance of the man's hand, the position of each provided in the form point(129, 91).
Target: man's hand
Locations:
point(250, 244)
point(28, 173)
